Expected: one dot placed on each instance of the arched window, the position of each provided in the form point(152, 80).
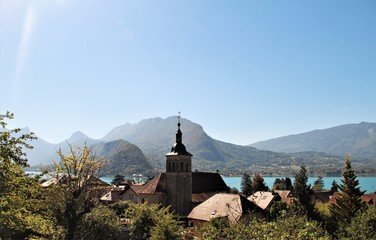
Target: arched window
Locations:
point(181, 166)
point(186, 167)
point(169, 166)
point(173, 166)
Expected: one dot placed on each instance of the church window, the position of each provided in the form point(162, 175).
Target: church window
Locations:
point(186, 167)
point(173, 166)
point(181, 166)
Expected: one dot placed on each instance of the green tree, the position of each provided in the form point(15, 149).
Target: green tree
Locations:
point(279, 184)
point(318, 185)
point(259, 184)
point(334, 187)
point(362, 226)
point(246, 184)
point(23, 212)
point(349, 199)
point(118, 179)
point(75, 169)
point(282, 184)
point(151, 221)
point(303, 193)
point(100, 223)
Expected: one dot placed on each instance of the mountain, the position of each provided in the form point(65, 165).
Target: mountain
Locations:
point(123, 158)
point(155, 137)
point(359, 140)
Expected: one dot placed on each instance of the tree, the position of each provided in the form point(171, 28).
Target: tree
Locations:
point(23, 212)
point(246, 184)
point(334, 187)
point(349, 200)
point(362, 226)
point(318, 185)
point(117, 179)
point(303, 193)
point(75, 169)
point(279, 184)
point(151, 221)
point(282, 184)
point(259, 184)
point(100, 223)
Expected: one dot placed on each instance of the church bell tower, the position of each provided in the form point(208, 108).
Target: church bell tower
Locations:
point(179, 176)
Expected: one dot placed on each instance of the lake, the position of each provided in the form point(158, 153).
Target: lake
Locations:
point(366, 183)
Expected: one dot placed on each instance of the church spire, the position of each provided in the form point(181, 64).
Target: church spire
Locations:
point(178, 148)
point(179, 133)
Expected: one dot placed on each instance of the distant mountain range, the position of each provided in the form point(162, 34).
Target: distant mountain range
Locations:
point(144, 145)
point(358, 140)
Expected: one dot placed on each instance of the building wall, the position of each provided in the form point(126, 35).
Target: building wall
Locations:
point(129, 195)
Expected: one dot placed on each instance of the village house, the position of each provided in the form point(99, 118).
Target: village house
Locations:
point(234, 207)
point(264, 200)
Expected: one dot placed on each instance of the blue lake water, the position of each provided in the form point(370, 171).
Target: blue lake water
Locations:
point(366, 183)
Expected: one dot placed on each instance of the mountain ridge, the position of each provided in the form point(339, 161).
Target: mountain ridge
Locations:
point(155, 136)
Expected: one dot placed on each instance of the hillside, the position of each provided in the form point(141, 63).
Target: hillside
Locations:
point(155, 137)
point(124, 158)
point(359, 140)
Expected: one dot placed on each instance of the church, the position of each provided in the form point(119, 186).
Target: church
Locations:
point(178, 187)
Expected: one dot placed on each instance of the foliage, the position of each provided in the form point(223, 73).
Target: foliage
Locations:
point(318, 185)
point(12, 144)
point(285, 227)
point(118, 179)
point(282, 184)
point(302, 192)
point(362, 226)
point(259, 184)
point(334, 187)
point(151, 221)
point(75, 170)
point(348, 201)
point(100, 223)
point(23, 212)
point(277, 209)
point(246, 184)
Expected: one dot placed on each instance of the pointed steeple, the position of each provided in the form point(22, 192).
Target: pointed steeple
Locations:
point(178, 148)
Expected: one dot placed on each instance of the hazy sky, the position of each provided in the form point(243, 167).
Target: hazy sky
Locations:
point(244, 70)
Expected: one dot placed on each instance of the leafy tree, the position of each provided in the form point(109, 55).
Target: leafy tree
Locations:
point(302, 192)
point(23, 212)
point(259, 184)
point(12, 144)
point(279, 184)
point(288, 184)
point(100, 223)
point(362, 226)
point(118, 179)
point(349, 199)
point(246, 184)
point(75, 169)
point(285, 227)
point(277, 209)
point(151, 221)
point(318, 185)
point(334, 187)
point(282, 184)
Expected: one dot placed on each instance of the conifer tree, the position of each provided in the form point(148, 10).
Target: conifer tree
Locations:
point(349, 200)
point(246, 185)
point(259, 184)
point(318, 185)
point(302, 192)
point(334, 187)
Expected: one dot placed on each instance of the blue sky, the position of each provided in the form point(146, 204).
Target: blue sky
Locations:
point(244, 70)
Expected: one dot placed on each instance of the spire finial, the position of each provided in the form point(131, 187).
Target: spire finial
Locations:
point(179, 120)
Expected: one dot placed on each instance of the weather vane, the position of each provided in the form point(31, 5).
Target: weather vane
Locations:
point(179, 119)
